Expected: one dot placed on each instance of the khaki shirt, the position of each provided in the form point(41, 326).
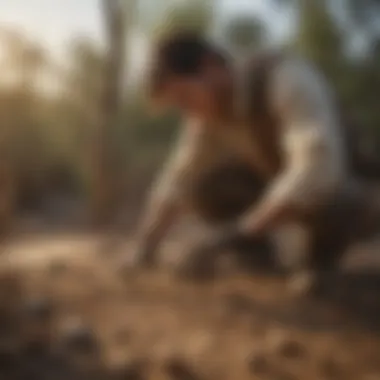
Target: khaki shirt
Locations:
point(311, 142)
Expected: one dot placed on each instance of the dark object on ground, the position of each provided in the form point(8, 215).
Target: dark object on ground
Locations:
point(291, 349)
point(225, 192)
point(221, 196)
point(259, 365)
point(78, 337)
point(177, 369)
point(38, 309)
point(131, 370)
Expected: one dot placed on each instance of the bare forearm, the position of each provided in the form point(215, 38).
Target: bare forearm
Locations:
point(156, 224)
point(278, 204)
point(265, 218)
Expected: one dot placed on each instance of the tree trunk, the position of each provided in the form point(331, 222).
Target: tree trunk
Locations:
point(6, 195)
point(105, 176)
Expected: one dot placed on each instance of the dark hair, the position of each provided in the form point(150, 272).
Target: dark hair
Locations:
point(181, 54)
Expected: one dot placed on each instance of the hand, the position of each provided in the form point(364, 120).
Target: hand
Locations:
point(200, 262)
point(264, 218)
point(227, 239)
point(142, 257)
point(145, 256)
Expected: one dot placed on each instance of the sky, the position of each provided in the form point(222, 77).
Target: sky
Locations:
point(55, 22)
point(52, 21)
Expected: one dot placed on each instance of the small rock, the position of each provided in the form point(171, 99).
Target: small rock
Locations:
point(176, 369)
point(79, 338)
point(38, 309)
point(330, 369)
point(131, 370)
point(258, 364)
point(291, 349)
point(284, 345)
point(199, 264)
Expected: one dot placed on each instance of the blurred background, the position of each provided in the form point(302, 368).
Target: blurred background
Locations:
point(77, 144)
point(78, 151)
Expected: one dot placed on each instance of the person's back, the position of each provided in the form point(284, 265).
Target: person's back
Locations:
point(277, 113)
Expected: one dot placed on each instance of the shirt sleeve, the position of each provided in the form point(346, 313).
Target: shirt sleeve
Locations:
point(166, 201)
point(310, 136)
point(174, 178)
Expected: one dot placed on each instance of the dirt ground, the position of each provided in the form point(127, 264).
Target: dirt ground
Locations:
point(67, 313)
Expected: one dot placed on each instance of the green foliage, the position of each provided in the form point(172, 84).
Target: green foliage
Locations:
point(356, 79)
point(319, 37)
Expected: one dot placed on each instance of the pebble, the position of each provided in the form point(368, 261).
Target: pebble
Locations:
point(258, 364)
point(177, 369)
point(78, 337)
point(130, 370)
point(38, 308)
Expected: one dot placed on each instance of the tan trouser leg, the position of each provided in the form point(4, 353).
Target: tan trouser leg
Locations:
point(294, 246)
point(293, 242)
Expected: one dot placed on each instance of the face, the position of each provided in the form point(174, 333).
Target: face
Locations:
point(202, 94)
point(190, 94)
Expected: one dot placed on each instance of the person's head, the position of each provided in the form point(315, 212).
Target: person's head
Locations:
point(189, 73)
